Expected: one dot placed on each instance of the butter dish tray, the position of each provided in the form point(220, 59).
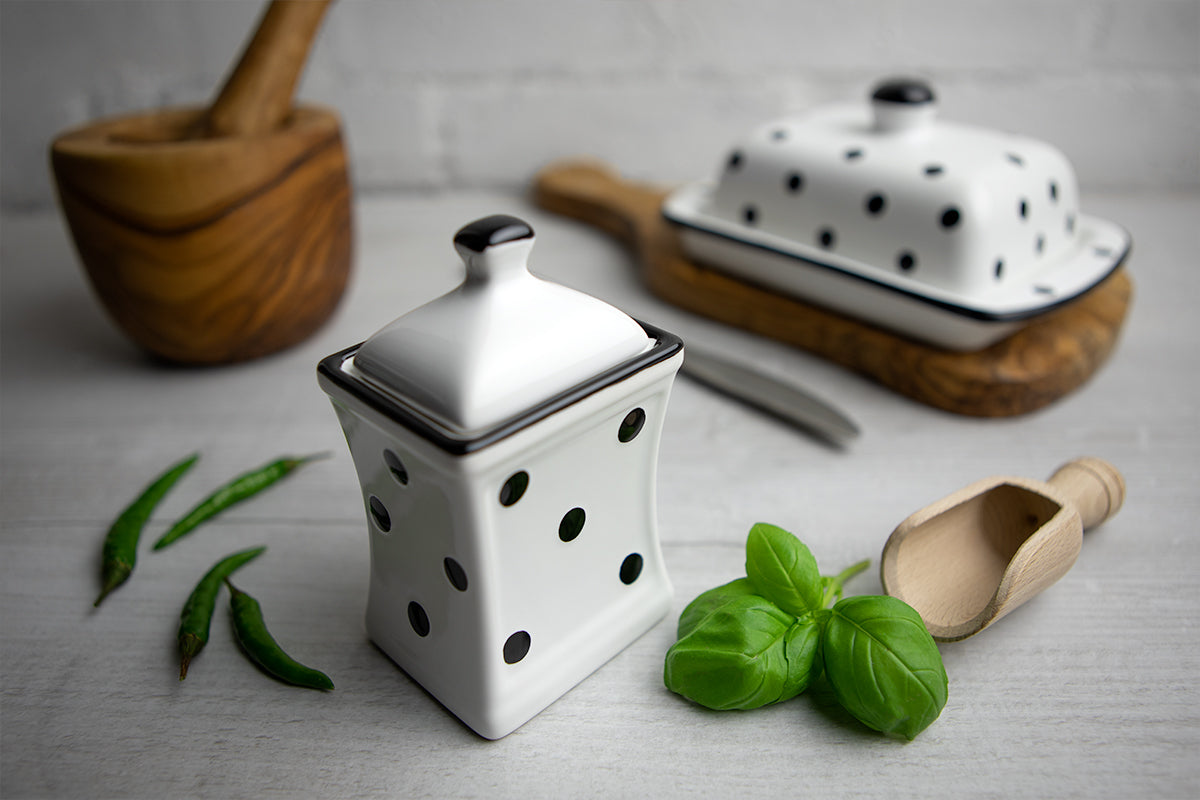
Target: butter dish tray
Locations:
point(950, 234)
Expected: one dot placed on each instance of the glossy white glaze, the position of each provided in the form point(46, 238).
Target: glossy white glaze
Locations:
point(948, 233)
point(501, 342)
point(513, 533)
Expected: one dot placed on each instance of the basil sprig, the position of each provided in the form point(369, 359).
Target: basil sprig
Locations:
point(764, 638)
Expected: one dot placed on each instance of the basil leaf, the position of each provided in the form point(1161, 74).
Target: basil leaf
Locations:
point(744, 654)
point(883, 665)
point(709, 602)
point(801, 645)
point(783, 569)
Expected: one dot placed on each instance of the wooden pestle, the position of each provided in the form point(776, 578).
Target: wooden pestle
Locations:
point(257, 96)
point(217, 234)
point(974, 556)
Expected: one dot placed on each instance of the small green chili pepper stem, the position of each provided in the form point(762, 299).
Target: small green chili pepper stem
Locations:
point(196, 617)
point(240, 488)
point(119, 554)
point(262, 648)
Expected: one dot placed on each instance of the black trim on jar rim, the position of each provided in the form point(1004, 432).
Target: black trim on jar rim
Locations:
point(331, 369)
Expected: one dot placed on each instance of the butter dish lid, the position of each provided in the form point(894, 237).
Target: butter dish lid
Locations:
point(500, 343)
point(889, 191)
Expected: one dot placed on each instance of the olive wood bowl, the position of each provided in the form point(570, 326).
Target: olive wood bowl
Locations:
point(223, 233)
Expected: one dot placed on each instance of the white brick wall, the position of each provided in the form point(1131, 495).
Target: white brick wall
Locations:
point(462, 93)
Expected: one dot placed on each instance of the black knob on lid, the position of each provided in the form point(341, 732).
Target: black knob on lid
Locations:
point(906, 91)
point(490, 231)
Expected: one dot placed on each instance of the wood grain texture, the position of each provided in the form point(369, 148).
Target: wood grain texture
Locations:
point(257, 96)
point(1041, 363)
point(976, 555)
point(217, 234)
point(216, 250)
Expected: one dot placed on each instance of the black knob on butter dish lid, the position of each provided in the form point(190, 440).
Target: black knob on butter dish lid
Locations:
point(904, 90)
point(903, 105)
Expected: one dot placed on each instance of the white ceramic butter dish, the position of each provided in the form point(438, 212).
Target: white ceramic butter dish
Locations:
point(946, 233)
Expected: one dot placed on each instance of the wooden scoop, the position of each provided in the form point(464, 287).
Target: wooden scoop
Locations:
point(970, 558)
point(223, 233)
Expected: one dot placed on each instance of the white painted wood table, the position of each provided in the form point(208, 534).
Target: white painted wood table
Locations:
point(1090, 690)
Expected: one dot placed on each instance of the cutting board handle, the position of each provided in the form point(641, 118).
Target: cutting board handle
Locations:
point(257, 96)
point(597, 194)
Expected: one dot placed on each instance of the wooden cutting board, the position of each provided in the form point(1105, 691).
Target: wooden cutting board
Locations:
point(1042, 362)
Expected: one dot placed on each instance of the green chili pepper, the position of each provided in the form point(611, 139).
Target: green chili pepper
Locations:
point(237, 490)
point(120, 544)
point(196, 617)
point(258, 644)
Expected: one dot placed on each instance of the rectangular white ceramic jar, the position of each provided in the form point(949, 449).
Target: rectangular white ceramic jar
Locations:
point(497, 607)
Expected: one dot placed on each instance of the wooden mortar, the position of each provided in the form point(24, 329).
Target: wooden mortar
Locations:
point(219, 234)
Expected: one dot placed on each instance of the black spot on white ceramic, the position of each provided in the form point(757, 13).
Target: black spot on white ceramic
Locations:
point(418, 619)
point(516, 647)
point(631, 568)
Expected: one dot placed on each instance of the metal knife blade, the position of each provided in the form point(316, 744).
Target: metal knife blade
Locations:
point(775, 394)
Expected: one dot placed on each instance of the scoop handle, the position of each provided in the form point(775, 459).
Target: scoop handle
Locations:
point(257, 95)
point(1093, 486)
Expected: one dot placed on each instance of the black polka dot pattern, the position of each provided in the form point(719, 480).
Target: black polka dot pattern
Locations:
point(514, 488)
point(631, 426)
point(455, 574)
point(631, 568)
point(572, 524)
point(395, 467)
point(865, 240)
point(379, 513)
point(516, 647)
point(441, 621)
point(418, 619)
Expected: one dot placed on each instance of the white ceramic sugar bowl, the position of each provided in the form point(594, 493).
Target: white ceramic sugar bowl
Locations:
point(506, 438)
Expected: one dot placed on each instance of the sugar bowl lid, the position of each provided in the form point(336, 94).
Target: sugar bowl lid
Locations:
point(500, 343)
